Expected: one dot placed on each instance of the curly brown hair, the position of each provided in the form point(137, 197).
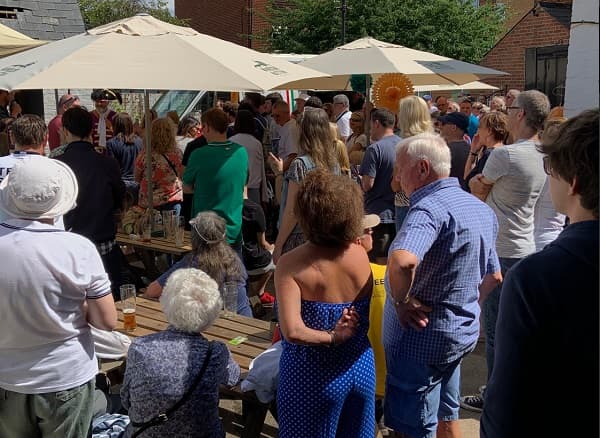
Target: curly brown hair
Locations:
point(329, 209)
point(163, 135)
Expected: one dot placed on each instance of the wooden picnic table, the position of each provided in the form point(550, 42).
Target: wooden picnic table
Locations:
point(159, 244)
point(151, 319)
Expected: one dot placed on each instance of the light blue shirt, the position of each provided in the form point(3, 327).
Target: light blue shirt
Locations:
point(453, 235)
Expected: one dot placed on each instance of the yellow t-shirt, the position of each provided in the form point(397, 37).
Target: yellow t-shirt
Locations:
point(375, 321)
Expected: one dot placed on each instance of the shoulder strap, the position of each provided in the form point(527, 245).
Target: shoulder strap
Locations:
point(162, 418)
point(307, 161)
point(171, 165)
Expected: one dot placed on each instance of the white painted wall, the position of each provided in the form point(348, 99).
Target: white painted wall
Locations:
point(581, 89)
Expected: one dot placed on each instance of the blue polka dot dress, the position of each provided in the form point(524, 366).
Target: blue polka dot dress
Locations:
point(328, 391)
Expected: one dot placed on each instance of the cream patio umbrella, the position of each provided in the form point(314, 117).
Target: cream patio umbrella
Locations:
point(470, 86)
point(368, 56)
point(143, 53)
point(12, 41)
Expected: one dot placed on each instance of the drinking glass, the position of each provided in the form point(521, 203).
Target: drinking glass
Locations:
point(167, 220)
point(179, 230)
point(128, 306)
point(230, 294)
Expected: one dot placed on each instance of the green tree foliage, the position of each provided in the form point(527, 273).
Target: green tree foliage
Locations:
point(98, 12)
point(453, 28)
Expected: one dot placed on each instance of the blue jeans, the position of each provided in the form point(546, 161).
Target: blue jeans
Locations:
point(490, 314)
point(401, 213)
point(417, 395)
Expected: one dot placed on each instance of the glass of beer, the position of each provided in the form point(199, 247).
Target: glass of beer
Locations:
point(179, 230)
point(128, 306)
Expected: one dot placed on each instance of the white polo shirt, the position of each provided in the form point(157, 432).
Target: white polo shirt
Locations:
point(46, 275)
point(288, 141)
point(343, 124)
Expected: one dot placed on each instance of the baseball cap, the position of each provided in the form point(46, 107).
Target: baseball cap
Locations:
point(427, 97)
point(303, 96)
point(459, 119)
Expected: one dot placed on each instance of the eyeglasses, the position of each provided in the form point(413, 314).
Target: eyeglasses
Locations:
point(547, 165)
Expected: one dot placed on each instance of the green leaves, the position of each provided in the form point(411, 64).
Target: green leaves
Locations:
point(453, 28)
point(98, 12)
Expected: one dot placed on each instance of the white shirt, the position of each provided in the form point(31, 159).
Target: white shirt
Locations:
point(288, 142)
point(343, 124)
point(548, 223)
point(45, 341)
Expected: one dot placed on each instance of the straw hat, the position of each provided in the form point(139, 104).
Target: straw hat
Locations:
point(38, 188)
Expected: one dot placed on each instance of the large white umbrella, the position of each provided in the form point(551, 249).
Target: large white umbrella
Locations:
point(470, 86)
point(12, 41)
point(143, 53)
point(369, 56)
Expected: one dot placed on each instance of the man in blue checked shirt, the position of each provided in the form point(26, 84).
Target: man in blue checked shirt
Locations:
point(441, 264)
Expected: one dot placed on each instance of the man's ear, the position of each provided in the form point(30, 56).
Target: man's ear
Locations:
point(574, 187)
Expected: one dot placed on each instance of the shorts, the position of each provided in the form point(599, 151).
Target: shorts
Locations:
point(383, 235)
point(417, 395)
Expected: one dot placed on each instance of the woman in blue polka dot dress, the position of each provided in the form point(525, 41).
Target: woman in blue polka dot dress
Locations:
point(327, 374)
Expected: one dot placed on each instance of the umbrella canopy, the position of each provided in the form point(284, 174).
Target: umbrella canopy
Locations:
point(142, 52)
point(471, 86)
point(372, 57)
point(12, 41)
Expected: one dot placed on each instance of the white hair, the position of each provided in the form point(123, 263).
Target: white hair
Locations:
point(341, 98)
point(428, 147)
point(191, 300)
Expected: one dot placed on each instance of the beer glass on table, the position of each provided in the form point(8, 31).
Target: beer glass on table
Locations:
point(128, 306)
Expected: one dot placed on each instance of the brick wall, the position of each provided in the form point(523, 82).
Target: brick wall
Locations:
point(230, 20)
point(225, 19)
point(508, 55)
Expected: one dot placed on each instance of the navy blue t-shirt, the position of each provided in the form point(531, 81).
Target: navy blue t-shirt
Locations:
point(125, 154)
point(378, 163)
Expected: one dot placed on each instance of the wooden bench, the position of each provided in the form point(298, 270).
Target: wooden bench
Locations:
point(151, 319)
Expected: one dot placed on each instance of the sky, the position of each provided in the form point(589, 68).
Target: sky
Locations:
point(171, 4)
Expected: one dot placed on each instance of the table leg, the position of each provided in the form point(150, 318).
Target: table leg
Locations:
point(253, 415)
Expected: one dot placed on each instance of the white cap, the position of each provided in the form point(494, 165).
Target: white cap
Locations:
point(303, 96)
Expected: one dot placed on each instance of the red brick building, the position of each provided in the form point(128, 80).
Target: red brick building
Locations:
point(239, 21)
point(534, 51)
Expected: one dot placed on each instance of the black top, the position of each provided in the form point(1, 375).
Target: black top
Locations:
point(191, 147)
point(459, 152)
point(253, 222)
point(101, 192)
point(125, 153)
point(477, 169)
point(546, 342)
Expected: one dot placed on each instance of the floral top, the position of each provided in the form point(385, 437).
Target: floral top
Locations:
point(161, 368)
point(166, 178)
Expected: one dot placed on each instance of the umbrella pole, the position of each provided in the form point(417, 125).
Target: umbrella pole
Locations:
point(367, 106)
point(148, 146)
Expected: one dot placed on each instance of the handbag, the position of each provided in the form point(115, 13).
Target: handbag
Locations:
point(164, 417)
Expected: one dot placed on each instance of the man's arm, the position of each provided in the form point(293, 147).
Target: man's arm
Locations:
point(102, 313)
point(367, 182)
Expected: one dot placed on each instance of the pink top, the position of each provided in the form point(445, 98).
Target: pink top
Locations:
point(166, 180)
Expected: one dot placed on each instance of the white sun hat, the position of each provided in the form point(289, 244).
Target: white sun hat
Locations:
point(38, 188)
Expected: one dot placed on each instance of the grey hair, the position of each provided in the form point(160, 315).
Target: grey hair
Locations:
point(191, 300)
point(210, 251)
point(187, 123)
point(536, 106)
point(341, 98)
point(428, 147)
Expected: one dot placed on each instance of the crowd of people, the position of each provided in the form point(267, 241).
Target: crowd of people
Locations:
point(389, 232)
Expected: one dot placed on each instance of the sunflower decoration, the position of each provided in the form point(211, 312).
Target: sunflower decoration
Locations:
point(390, 88)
